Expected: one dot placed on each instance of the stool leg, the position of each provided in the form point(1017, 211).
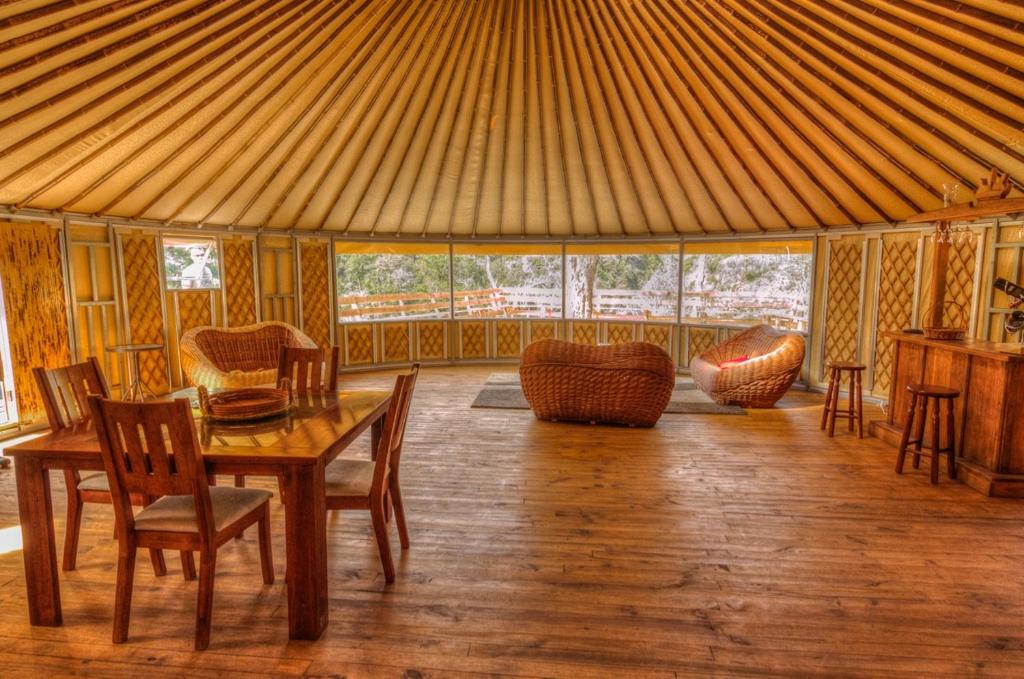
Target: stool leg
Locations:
point(905, 439)
point(828, 397)
point(919, 434)
point(834, 404)
point(860, 408)
point(951, 430)
point(936, 441)
point(850, 414)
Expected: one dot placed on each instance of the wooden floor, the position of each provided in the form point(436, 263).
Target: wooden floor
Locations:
point(719, 545)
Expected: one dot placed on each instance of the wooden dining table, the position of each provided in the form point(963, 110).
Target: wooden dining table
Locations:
point(295, 447)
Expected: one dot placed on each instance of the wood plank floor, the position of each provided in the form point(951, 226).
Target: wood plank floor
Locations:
point(710, 545)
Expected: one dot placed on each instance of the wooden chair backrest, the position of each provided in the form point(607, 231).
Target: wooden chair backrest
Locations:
point(389, 449)
point(151, 449)
point(306, 371)
point(66, 390)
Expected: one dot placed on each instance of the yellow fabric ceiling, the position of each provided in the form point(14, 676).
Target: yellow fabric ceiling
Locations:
point(507, 117)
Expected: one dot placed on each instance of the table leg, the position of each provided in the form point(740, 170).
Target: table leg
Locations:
point(305, 519)
point(38, 542)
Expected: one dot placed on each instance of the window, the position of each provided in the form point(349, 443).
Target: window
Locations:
point(391, 280)
point(623, 280)
point(191, 263)
point(748, 282)
point(508, 281)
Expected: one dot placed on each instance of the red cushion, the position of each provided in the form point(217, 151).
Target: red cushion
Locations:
point(734, 361)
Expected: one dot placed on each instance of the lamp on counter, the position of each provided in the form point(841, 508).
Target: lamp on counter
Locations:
point(1015, 321)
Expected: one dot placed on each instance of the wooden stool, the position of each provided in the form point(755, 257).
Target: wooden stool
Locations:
point(921, 395)
point(855, 404)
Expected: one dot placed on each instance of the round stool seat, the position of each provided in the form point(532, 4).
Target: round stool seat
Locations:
point(847, 366)
point(933, 390)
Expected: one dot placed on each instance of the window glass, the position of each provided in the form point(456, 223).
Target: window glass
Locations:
point(379, 281)
point(748, 282)
point(191, 263)
point(508, 281)
point(623, 281)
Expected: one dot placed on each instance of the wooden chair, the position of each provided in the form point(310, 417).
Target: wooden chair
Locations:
point(152, 449)
point(65, 392)
point(306, 371)
point(374, 484)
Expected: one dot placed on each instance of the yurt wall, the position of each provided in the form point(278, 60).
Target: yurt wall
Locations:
point(865, 283)
point(35, 306)
point(871, 283)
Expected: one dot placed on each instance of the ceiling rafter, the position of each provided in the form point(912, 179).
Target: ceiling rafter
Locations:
point(506, 118)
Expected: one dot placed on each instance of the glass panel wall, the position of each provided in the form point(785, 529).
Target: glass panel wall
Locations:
point(507, 281)
point(748, 282)
point(626, 281)
point(377, 281)
point(740, 281)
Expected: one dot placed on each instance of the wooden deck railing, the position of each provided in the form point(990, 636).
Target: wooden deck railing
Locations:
point(609, 304)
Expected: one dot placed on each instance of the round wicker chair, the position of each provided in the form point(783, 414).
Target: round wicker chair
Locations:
point(775, 358)
point(245, 356)
point(627, 383)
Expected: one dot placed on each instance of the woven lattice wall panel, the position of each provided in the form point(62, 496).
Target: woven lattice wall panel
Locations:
point(508, 338)
point(584, 333)
point(699, 340)
point(359, 344)
point(430, 340)
point(960, 284)
point(660, 335)
point(396, 342)
point(895, 300)
point(473, 339)
point(145, 312)
point(316, 291)
point(843, 301)
point(618, 333)
point(543, 330)
point(30, 266)
point(194, 310)
point(239, 282)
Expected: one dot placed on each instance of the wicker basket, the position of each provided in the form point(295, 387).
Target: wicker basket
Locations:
point(246, 404)
point(627, 383)
point(944, 333)
point(956, 332)
point(775, 360)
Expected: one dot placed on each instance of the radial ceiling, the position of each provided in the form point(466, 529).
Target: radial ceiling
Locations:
point(507, 117)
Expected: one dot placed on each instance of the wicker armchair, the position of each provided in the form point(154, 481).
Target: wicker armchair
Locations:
point(774, 361)
point(237, 357)
point(622, 384)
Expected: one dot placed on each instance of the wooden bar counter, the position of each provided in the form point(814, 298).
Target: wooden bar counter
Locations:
point(989, 412)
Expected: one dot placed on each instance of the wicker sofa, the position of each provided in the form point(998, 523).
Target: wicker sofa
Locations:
point(627, 383)
point(237, 357)
point(773, 361)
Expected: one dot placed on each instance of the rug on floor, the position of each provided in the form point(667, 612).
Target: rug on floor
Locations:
point(502, 390)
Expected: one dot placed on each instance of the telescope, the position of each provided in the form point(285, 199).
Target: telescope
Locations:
point(1015, 322)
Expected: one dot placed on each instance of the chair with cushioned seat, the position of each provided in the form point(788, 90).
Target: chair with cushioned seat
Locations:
point(245, 356)
point(64, 392)
point(152, 449)
point(752, 369)
point(373, 484)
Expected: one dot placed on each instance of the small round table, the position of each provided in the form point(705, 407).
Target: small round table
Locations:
point(137, 390)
